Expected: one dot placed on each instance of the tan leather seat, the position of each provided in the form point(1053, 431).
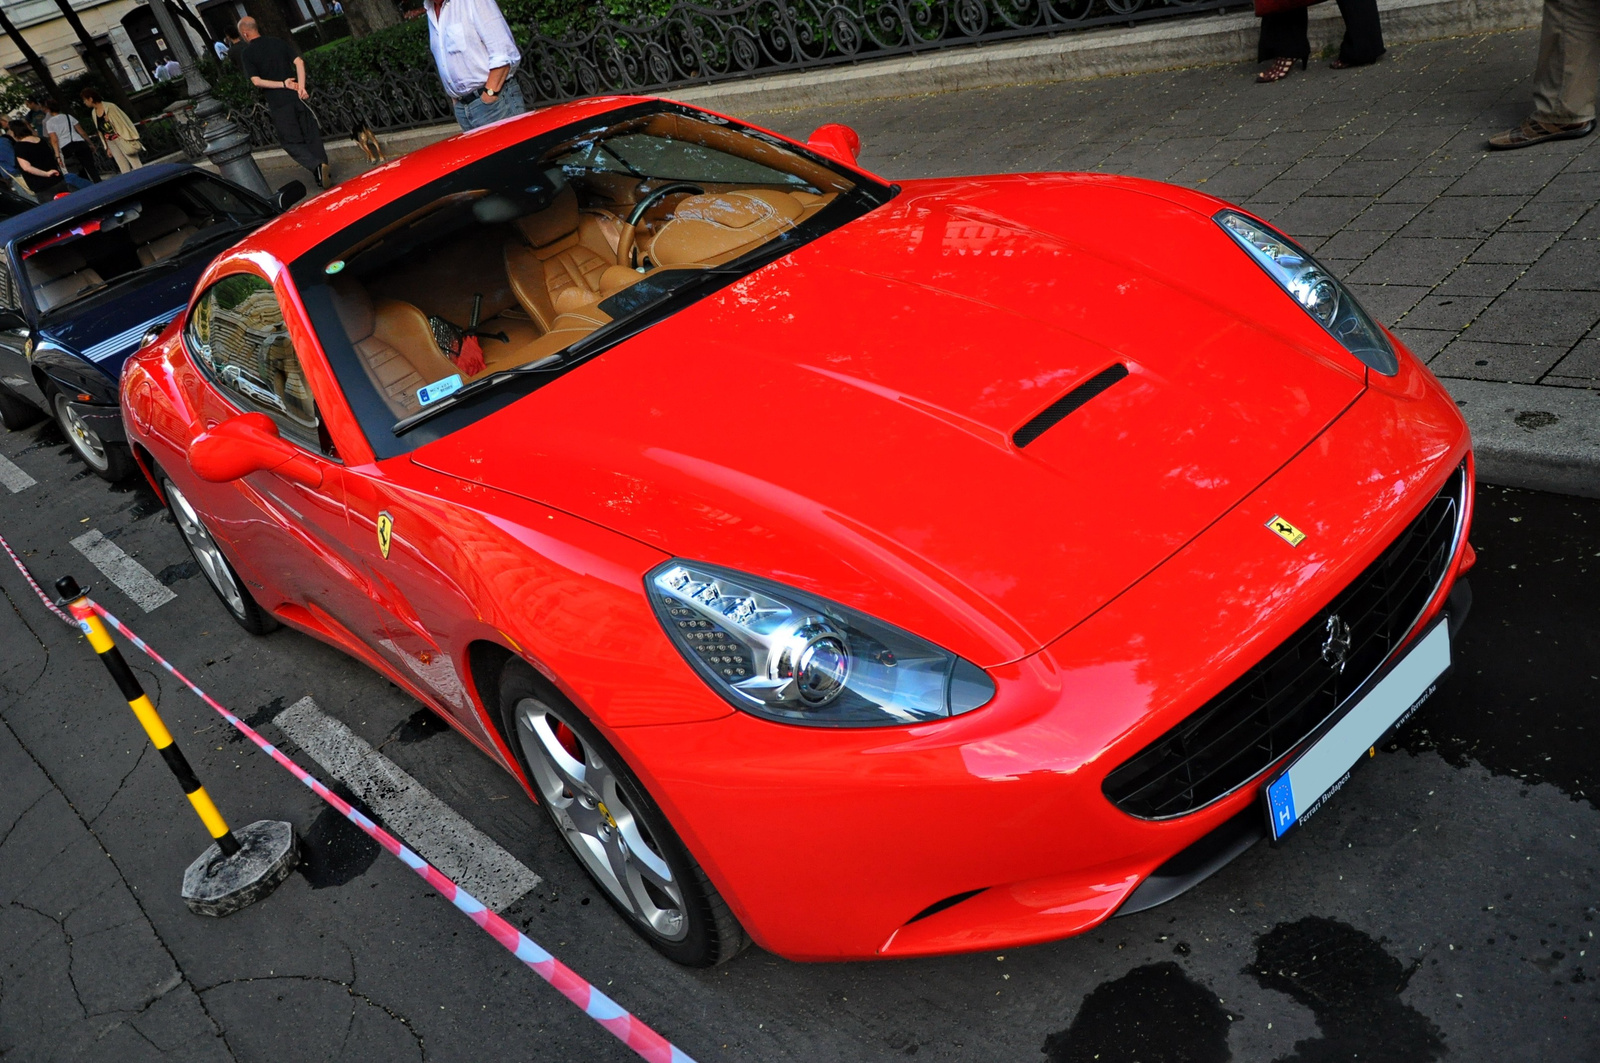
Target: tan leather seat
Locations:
point(395, 343)
point(160, 231)
point(720, 226)
point(58, 274)
point(558, 264)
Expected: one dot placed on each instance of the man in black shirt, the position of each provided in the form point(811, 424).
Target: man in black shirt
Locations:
point(275, 67)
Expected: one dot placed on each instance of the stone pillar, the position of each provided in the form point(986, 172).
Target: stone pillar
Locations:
point(227, 142)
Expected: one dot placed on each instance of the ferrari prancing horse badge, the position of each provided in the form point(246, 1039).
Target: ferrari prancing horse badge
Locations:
point(1277, 526)
point(385, 532)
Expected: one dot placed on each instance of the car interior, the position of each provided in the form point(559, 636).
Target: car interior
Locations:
point(605, 226)
point(154, 226)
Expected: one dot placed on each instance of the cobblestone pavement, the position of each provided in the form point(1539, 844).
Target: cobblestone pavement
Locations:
point(1486, 264)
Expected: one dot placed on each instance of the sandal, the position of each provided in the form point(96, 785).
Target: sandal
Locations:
point(1535, 131)
point(1278, 70)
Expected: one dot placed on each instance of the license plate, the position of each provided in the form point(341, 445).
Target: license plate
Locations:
point(1298, 790)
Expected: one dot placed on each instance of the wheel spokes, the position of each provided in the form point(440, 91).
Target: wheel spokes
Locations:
point(588, 805)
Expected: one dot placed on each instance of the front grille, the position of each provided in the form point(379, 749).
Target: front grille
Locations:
point(1276, 704)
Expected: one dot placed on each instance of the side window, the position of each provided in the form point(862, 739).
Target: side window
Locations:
point(238, 336)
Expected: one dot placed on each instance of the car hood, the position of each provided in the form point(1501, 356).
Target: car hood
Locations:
point(107, 329)
point(842, 420)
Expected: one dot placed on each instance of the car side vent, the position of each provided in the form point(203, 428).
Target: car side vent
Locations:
point(1058, 410)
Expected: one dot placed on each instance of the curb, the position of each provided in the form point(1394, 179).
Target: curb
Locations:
point(1538, 438)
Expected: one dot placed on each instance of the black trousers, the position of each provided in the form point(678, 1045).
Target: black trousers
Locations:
point(80, 157)
point(1283, 35)
point(297, 131)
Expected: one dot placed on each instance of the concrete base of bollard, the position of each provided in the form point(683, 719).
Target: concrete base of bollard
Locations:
point(216, 885)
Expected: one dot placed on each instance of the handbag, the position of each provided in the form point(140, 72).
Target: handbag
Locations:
point(1277, 7)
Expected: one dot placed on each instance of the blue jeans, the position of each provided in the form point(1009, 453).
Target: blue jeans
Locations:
point(475, 112)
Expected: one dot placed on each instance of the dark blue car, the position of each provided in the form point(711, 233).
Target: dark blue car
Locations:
point(88, 279)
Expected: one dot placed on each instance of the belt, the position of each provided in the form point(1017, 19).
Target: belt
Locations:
point(471, 95)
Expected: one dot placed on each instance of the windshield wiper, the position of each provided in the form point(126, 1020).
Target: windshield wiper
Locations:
point(212, 232)
point(476, 388)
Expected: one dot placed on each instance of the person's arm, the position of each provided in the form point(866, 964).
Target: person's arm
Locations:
point(497, 41)
point(55, 149)
point(300, 77)
point(29, 167)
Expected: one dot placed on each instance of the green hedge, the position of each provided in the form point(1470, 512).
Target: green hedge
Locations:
point(405, 47)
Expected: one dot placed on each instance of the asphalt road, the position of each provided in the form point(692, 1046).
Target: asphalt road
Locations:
point(1444, 904)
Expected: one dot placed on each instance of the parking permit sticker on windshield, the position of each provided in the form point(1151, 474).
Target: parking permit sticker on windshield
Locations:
point(439, 389)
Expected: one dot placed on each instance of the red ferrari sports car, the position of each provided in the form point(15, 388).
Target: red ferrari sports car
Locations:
point(864, 569)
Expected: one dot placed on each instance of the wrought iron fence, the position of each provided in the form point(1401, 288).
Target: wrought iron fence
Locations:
point(697, 44)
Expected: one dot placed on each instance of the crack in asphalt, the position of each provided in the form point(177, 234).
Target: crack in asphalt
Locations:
point(143, 749)
point(22, 816)
point(66, 935)
point(349, 987)
point(44, 666)
point(133, 894)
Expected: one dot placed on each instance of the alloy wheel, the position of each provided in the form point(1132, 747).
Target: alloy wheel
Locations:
point(206, 552)
point(595, 816)
point(84, 439)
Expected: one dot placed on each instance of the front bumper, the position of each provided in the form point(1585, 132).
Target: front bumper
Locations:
point(991, 830)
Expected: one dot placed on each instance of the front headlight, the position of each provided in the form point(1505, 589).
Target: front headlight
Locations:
point(784, 654)
point(1324, 298)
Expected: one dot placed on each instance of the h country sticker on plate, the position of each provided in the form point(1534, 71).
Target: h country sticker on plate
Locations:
point(1301, 788)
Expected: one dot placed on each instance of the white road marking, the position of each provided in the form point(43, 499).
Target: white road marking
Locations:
point(14, 478)
point(132, 578)
point(428, 825)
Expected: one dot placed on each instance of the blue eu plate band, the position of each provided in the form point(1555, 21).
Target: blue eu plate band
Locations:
point(1382, 704)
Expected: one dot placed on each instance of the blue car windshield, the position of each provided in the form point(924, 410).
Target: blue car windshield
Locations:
point(152, 227)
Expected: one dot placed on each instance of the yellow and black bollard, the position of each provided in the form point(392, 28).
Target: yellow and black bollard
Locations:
point(239, 869)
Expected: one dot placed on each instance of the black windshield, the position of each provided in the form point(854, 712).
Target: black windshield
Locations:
point(152, 229)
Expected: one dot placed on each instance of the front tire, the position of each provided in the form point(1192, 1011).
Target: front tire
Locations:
point(109, 461)
point(219, 573)
point(613, 827)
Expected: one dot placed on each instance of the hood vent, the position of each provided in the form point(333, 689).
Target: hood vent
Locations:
point(1058, 410)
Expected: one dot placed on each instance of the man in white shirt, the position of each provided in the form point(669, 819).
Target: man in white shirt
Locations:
point(476, 57)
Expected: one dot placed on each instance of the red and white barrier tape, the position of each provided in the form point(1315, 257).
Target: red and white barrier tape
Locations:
point(595, 1004)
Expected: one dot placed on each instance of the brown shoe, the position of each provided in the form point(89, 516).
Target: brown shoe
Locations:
point(1534, 131)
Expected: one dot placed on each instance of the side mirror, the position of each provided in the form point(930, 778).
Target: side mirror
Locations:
point(837, 142)
point(288, 195)
point(11, 319)
point(246, 444)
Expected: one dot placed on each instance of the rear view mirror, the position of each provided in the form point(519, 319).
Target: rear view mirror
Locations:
point(246, 444)
point(288, 195)
point(128, 212)
point(837, 142)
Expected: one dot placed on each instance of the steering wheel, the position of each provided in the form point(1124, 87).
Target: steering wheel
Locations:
point(665, 190)
point(625, 240)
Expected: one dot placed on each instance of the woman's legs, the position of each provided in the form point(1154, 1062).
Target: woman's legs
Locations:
point(81, 155)
point(1363, 36)
point(125, 160)
point(1283, 35)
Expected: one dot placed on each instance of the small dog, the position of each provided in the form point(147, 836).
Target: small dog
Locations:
point(368, 141)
